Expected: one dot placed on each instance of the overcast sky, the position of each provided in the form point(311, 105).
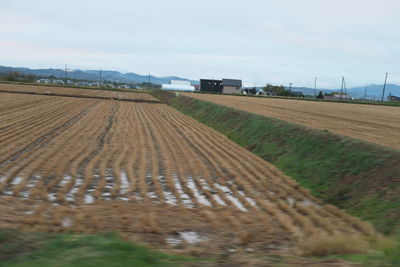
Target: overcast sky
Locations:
point(255, 40)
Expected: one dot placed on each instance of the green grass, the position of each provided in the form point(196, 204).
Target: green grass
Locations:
point(33, 249)
point(78, 250)
point(384, 252)
point(358, 176)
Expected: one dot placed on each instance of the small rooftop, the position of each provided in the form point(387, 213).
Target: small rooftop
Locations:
point(231, 82)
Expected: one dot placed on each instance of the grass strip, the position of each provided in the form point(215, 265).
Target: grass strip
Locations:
point(41, 249)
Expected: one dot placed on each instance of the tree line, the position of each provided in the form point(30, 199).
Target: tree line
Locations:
point(17, 76)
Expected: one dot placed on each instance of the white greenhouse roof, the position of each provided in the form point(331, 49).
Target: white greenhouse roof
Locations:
point(177, 87)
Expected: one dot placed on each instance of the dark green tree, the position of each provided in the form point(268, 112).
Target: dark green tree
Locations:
point(279, 90)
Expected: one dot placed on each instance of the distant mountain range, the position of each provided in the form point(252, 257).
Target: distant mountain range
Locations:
point(94, 75)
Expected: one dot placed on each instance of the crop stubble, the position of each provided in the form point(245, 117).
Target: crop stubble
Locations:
point(149, 172)
point(371, 123)
point(75, 92)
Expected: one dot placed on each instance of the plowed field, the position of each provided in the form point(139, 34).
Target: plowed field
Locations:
point(149, 172)
point(371, 123)
point(76, 92)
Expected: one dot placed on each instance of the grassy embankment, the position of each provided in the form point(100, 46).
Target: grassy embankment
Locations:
point(41, 249)
point(30, 249)
point(360, 177)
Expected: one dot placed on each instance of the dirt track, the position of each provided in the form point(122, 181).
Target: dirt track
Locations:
point(371, 123)
point(149, 172)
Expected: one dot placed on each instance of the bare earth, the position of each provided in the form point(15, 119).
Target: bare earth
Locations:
point(371, 123)
point(150, 173)
point(75, 92)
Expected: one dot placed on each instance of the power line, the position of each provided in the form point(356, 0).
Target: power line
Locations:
point(66, 74)
point(384, 86)
point(341, 90)
point(365, 91)
point(100, 79)
point(315, 86)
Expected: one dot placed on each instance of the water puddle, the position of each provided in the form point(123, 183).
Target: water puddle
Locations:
point(150, 185)
point(204, 184)
point(71, 194)
point(152, 195)
point(17, 181)
point(65, 180)
point(229, 195)
point(189, 237)
point(200, 198)
point(291, 201)
point(248, 199)
point(52, 197)
point(170, 198)
point(31, 183)
point(67, 222)
point(185, 197)
point(124, 187)
point(304, 203)
point(137, 196)
point(88, 199)
point(173, 241)
point(216, 197)
point(109, 184)
point(219, 200)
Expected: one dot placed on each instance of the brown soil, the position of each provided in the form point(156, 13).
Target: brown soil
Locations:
point(150, 173)
point(76, 92)
point(371, 123)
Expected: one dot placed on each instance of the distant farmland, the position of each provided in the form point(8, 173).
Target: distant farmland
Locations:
point(146, 170)
point(372, 123)
point(75, 92)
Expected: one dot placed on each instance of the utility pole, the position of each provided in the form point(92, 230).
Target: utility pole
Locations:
point(290, 87)
point(341, 90)
point(66, 74)
point(365, 91)
point(149, 82)
point(315, 86)
point(384, 86)
point(100, 79)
